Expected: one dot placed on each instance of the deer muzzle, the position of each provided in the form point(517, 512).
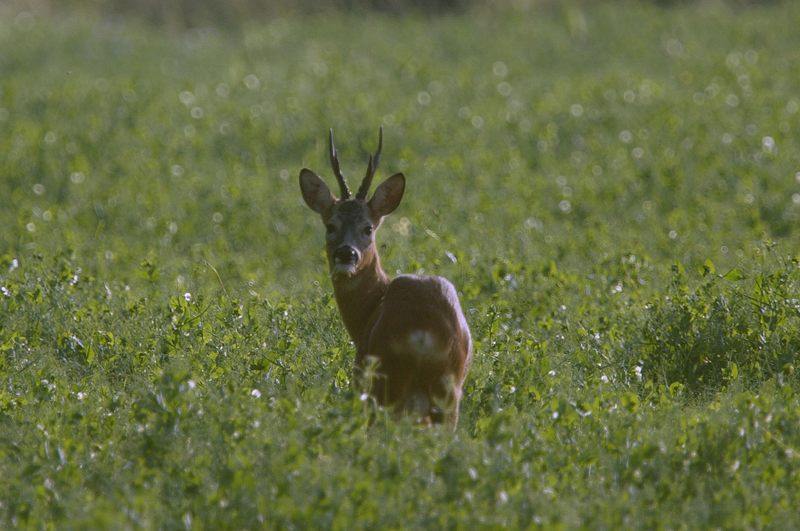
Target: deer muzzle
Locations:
point(345, 256)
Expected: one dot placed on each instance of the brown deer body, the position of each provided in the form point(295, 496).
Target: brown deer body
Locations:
point(412, 326)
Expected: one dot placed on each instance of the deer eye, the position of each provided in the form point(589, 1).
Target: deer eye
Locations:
point(368, 230)
point(330, 228)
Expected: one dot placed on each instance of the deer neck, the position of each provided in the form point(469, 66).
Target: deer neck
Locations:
point(359, 296)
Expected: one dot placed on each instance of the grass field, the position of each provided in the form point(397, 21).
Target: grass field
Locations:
point(614, 189)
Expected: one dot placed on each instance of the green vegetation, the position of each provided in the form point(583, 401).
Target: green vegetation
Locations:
point(614, 189)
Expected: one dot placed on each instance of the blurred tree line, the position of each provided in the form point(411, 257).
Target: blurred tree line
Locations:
point(230, 13)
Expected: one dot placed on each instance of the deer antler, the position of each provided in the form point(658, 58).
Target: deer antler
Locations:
point(372, 165)
point(336, 170)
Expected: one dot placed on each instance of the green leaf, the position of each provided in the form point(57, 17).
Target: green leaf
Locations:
point(734, 275)
point(708, 267)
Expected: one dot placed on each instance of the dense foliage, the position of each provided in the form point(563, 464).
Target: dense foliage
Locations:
point(614, 189)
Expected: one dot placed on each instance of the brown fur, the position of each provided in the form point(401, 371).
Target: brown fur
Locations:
point(412, 326)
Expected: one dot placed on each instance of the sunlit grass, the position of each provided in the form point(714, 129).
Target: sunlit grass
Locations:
point(613, 190)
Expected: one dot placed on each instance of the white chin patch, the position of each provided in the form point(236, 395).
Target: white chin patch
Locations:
point(347, 270)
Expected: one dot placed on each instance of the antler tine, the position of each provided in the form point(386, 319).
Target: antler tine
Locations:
point(372, 166)
point(336, 170)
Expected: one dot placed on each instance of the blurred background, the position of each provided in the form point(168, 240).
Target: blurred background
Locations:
point(148, 138)
point(232, 13)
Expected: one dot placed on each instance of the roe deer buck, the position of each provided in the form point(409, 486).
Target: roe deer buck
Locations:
point(412, 325)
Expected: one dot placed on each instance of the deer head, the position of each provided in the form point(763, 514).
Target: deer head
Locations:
point(350, 222)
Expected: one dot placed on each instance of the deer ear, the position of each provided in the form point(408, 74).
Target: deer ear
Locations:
point(387, 196)
point(316, 193)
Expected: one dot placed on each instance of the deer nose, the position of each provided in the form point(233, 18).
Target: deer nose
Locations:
point(345, 255)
